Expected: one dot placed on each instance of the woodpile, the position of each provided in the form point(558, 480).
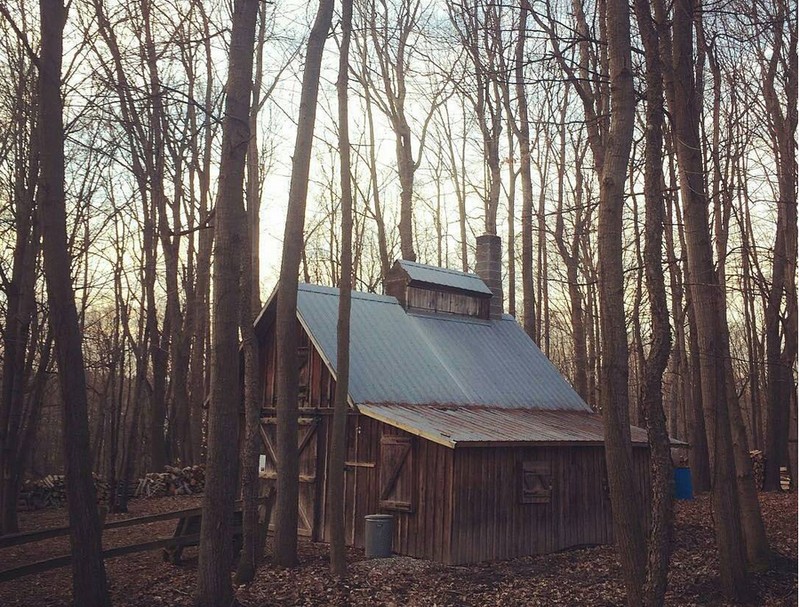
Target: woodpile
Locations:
point(51, 491)
point(48, 492)
point(757, 457)
point(173, 481)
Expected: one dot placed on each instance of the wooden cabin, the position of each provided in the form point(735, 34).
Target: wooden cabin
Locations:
point(459, 426)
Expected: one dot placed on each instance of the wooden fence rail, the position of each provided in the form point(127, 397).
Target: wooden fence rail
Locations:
point(178, 541)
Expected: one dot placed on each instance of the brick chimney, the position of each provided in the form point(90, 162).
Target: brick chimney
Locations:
point(488, 264)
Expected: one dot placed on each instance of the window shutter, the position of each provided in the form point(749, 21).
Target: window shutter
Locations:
point(536, 483)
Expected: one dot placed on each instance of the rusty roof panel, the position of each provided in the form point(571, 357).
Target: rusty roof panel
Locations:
point(429, 359)
point(452, 279)
point(464, 426)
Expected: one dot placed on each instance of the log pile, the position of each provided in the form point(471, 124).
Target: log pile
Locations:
point(757, 457)
point(48, 492)
point(51, 491)
point(173, 481)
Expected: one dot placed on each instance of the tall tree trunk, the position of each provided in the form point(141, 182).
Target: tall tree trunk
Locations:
point(250, 301)
point(20, 310)
point(19, 288)
point(705, 296)
point(285, 543)
point(780, 382)
point(383, 249)
point(658, 355)
point(216, 547)
point(626, 506)
point(523, 132)
point(88, 573)
point(200, 319)
point(339, 431)
point(512, 195)
point(570, 254)
point(542, 286)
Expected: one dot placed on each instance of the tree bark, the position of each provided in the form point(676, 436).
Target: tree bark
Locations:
point(250, 302)
point(338, 557)
point(285, 543)
point(661, 481)
point(705, 295)
point(216, 546)
point(88, 573)
point(523, 133)
point(625, 503)
point(19, 314)
point(780, 383)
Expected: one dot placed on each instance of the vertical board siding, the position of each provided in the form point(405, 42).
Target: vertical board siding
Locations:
point(424, 532)
point(491, 523)
point(447, 302)
point(320, 385)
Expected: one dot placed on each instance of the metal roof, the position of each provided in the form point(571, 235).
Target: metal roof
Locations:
point(453, 279)
point(416, 359)
point(479, 426)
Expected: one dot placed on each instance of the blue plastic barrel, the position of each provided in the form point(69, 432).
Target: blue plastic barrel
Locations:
point(683, 484)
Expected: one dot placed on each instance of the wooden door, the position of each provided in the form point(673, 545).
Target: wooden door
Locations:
point(397, 484)
point(307, 446)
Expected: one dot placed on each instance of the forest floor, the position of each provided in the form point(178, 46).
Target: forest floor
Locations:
point(579, 577)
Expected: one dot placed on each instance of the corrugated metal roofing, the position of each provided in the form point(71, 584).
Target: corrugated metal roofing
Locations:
point(479, 426)
point(415, 359)
point(453, 279)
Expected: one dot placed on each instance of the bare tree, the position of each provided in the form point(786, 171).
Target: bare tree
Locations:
point(250, 301)
point(17, 412)
point(783, 122)
point(656, 362)
point(392, 30)
point(216, 547)
point(614, 397)
point(286, 314)
point(522, 131)
point(341, 405)
point(609, 109)
point(705, 293)
point(479, 31)
point(88, 573)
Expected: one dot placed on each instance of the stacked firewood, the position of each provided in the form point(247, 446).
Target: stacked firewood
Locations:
point(51, 491)
point(757, 457)
point(48, 492)
point(173, 481)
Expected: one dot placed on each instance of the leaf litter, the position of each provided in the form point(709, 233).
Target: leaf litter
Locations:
point(577, 577)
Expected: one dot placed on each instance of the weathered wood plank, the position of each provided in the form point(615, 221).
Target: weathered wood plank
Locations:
point(26, 537)
point(61, 561)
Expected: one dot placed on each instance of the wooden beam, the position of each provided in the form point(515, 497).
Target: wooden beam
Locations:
point(14, 539)
point(61, 561)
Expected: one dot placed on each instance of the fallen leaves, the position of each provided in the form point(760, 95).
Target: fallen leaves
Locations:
point(589, 576)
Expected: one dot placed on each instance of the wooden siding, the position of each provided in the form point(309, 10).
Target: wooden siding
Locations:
point(434, 298)
point(491, 523)
point(446, 302)
point(311, 449)
point(425, 531)
point(316, 383)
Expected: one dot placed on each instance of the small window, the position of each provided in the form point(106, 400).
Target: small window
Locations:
point(536, 483)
